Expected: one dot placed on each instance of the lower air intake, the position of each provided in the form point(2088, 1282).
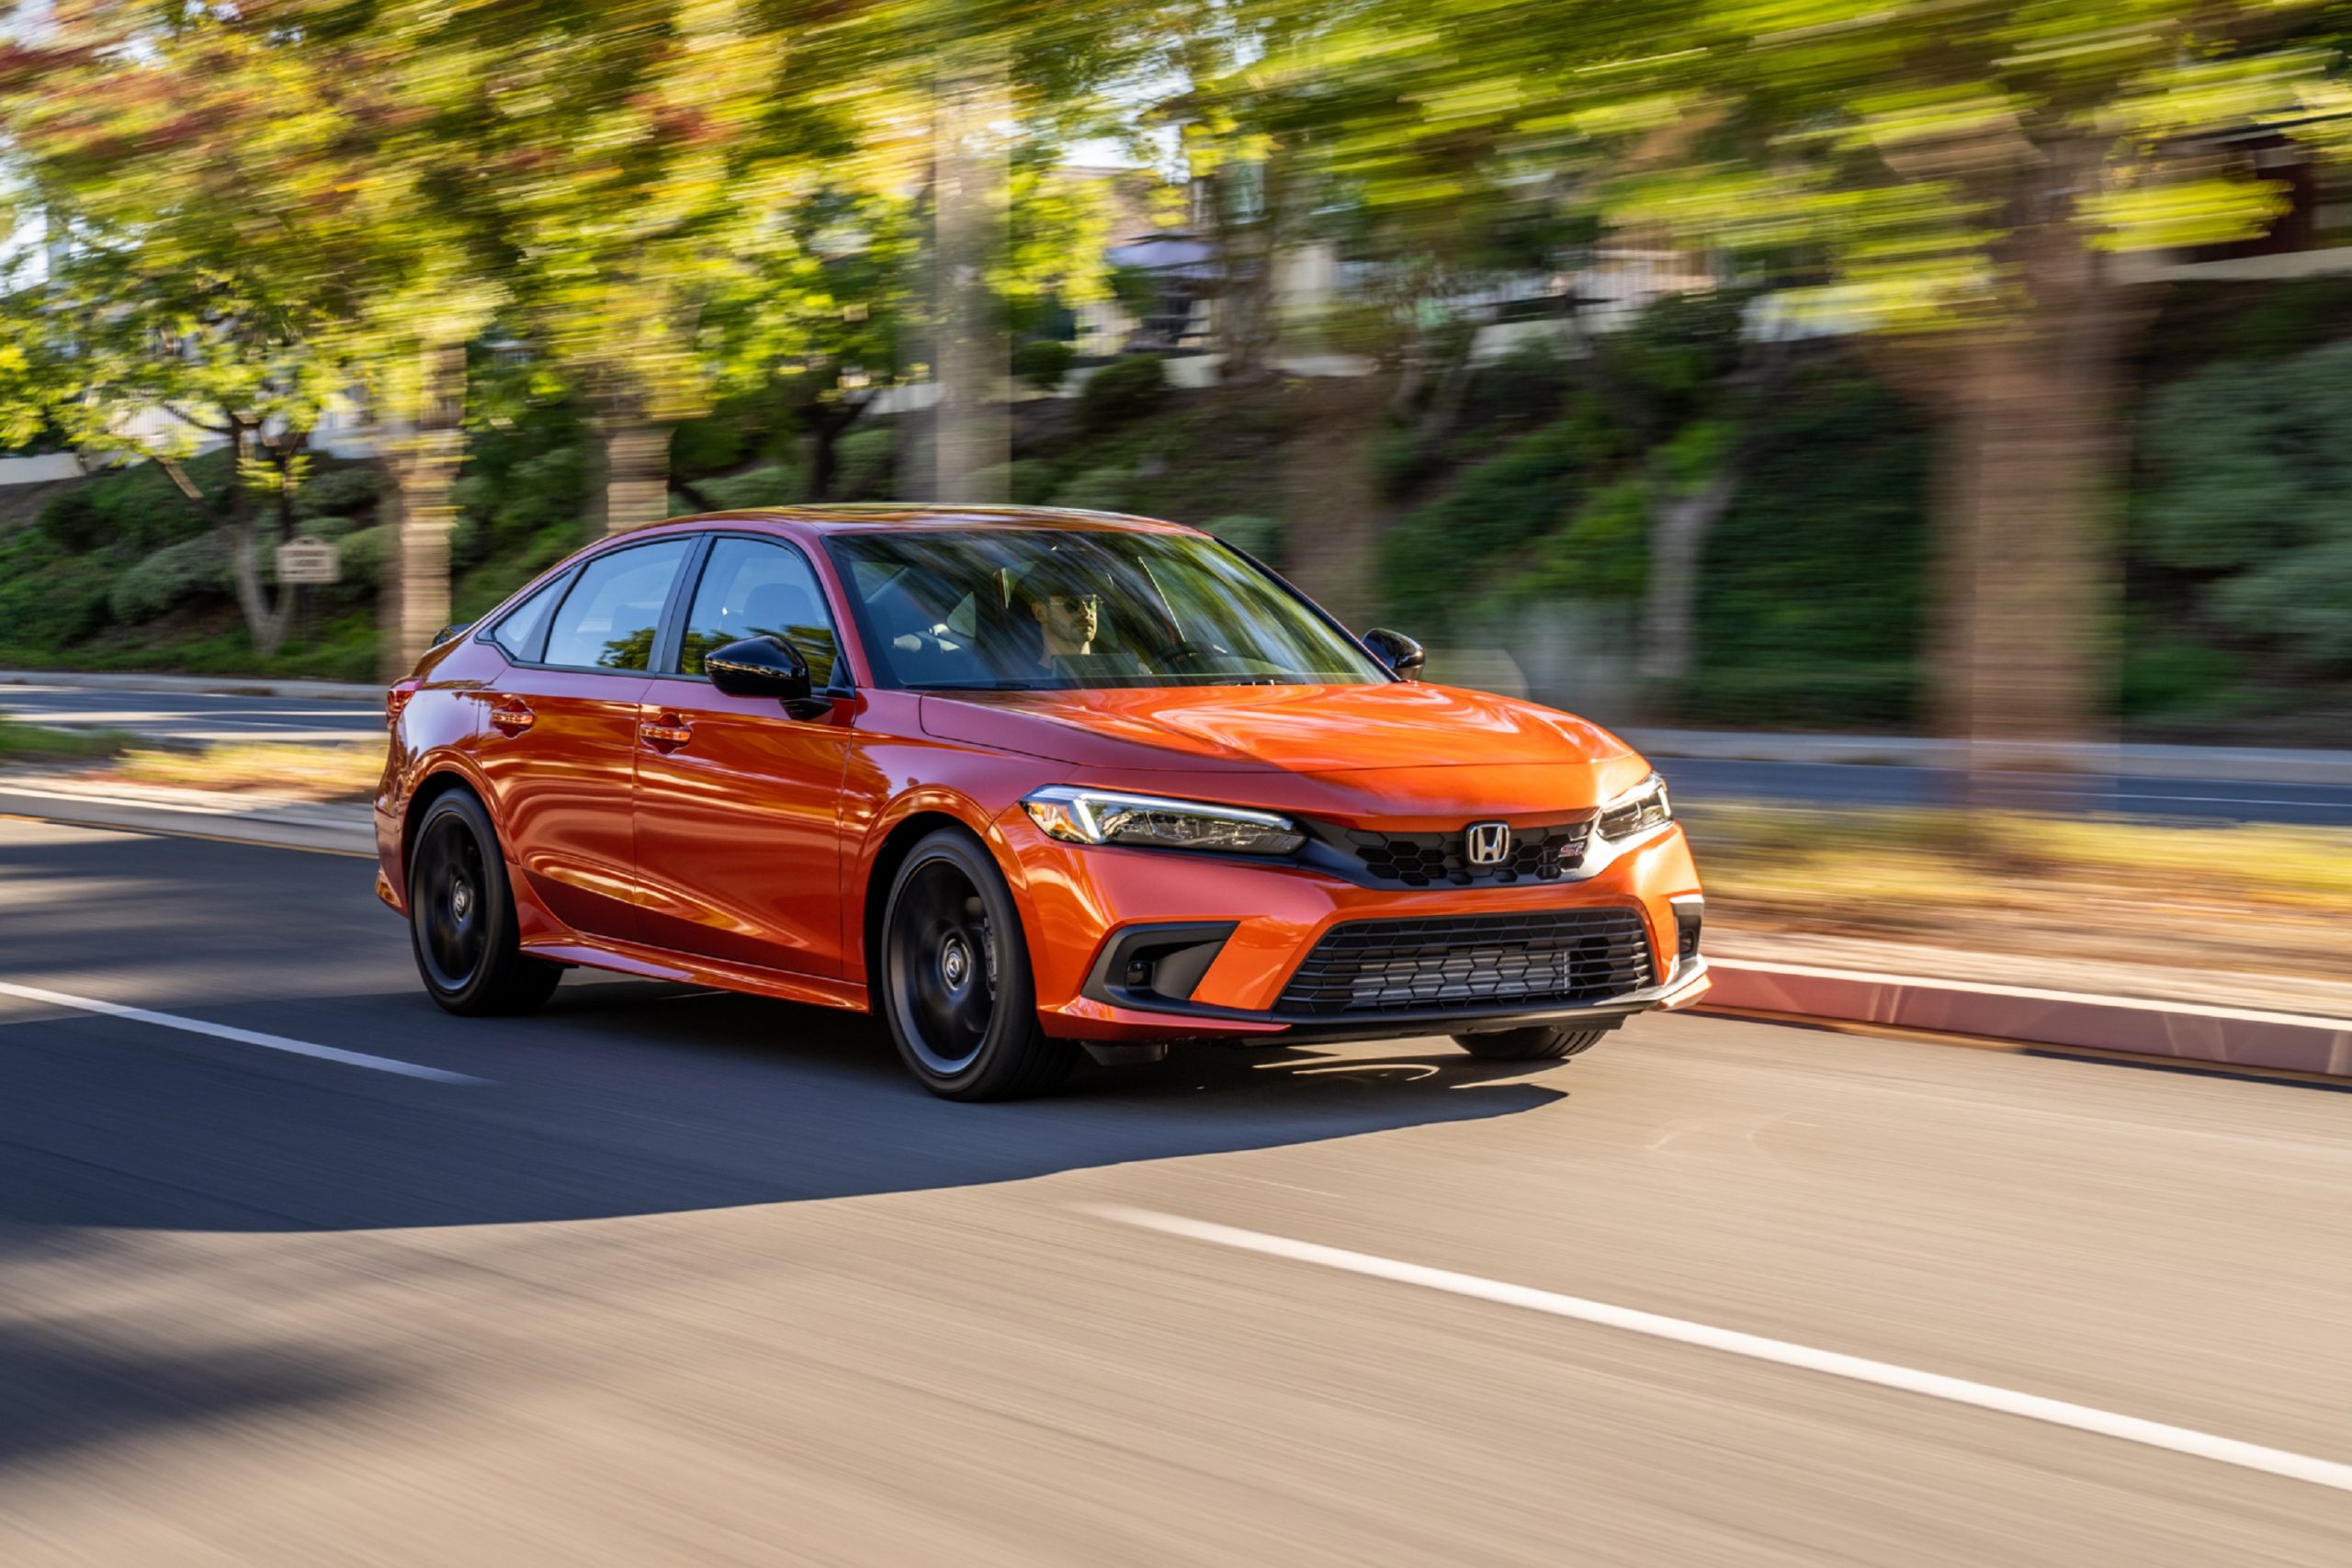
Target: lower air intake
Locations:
point(1474, 961)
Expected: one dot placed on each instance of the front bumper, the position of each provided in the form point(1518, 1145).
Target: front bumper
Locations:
point(1082, 906)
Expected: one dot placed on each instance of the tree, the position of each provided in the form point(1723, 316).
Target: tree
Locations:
point(1955, 183)
point(190, 170)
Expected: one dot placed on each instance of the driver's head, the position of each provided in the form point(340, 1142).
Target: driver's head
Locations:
point(1070, 620)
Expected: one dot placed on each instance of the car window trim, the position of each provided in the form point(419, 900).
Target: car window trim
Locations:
point(672, 646)
point(515, 602)
point(575, 571)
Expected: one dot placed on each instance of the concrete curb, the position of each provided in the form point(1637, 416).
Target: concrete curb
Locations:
point(207, 685)
point(2189, 1032)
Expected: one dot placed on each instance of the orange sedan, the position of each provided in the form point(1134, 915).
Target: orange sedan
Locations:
point(1027, 784)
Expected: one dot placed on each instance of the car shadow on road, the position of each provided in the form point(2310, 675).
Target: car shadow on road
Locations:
point(628, 1097)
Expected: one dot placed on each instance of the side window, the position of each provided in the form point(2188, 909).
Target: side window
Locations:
point(750, 588)
point(609, 619)
point(523, 630)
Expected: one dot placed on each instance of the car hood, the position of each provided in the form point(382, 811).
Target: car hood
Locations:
point(1302, 729)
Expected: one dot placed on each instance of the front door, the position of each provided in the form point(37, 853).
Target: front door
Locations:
point(559, 735)
point(738, 802)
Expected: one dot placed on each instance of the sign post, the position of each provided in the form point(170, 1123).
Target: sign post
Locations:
point(305, 559)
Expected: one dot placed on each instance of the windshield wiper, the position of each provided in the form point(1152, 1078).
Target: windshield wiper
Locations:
point(981, 687)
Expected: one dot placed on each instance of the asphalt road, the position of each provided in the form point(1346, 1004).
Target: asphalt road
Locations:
point(688, 1278)
point(188, 717)
point(194, 718)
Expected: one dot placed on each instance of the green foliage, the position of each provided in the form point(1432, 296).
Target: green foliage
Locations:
point(1259, 536)
point(136, 508)
point(732, 431)
point(1044, 363)
point(49, 599)
point(1107, 489)
point(1460, 544)
point(1813, 589)
point(1126, 389)
point(527, 473)
point(2250, 502)
point(192, 568)
point(344, 490)
point(771, 484)
point(866, 458)
point(1602, 556)
point(2167, 676)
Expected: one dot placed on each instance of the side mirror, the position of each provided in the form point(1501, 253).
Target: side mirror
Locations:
point(763, 667)
point(1396, 650)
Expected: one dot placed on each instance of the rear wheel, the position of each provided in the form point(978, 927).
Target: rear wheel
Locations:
point(461, 917)
point(1542, 1042)
point(956, 984)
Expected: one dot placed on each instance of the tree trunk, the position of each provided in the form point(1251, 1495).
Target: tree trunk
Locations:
point(971, 427)
point(637, 472)
point(425, 466)
point(2024, 485)
point(264, 621)
point(1679, 529)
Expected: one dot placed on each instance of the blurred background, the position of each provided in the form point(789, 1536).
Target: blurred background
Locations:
point(1967, 381)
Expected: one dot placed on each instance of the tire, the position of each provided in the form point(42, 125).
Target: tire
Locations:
point(1544, 1042)
point(955, 986)
point(461, 917)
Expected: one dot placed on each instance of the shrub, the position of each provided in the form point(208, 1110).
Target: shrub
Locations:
point(1027, 481)
point(2250, 469)
point(1126, 389)
point(341, 491)
point(136, 507)
point(771, 484)
point(363, 554)
point(1261, 536)
point(193, 569)
point(864, 459)
point(1044, 363)
point(1097, 489)
point(49, 599)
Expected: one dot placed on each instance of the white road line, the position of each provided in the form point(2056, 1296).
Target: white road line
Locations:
point(241, 1036)
point(2131, 1428)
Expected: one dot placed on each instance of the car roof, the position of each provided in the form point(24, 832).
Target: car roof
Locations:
point(890, 516)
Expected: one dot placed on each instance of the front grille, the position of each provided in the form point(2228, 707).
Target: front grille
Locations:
point(1427, 860)
point(1472, 961)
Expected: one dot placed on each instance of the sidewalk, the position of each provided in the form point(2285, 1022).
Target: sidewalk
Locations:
point(2223, 764)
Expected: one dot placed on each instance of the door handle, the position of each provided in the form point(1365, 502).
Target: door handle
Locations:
point(511, 717)
point(665, 736)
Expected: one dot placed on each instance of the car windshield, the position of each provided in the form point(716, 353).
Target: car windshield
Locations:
point(1010, 609)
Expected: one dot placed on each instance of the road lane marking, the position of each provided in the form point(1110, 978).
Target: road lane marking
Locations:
point(241, 1036)
point(1960, 1391)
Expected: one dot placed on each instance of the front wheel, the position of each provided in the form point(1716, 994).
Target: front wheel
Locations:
point(956, 982)
point(1542, 1043)
point(461, 917)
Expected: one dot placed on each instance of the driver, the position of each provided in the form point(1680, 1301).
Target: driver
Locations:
point(1067, 623)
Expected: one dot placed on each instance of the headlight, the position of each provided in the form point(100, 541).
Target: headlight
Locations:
point(1107, 816)
point(1637, 810)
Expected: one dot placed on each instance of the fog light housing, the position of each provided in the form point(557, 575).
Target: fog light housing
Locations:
point(1690, 915)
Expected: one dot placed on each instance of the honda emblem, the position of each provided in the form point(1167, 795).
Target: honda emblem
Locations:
point(1487, 843)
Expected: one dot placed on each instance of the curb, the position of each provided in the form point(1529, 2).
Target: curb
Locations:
point(205, 686)
point(2188, 1032)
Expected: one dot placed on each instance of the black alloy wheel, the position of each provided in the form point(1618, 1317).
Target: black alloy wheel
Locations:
point(1540, 1043)
point(461, 916)
point(956, 984)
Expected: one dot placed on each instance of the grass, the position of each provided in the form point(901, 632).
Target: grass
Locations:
point(2207, 894)
point(21, 742)
point(285, 771)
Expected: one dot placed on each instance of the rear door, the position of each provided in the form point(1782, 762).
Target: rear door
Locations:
point(738, 802)
point(560, 742)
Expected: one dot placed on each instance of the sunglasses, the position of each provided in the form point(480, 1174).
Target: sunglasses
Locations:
point(1076, 600)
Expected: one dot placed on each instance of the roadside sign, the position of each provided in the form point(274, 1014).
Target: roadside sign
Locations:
point(306, 559)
